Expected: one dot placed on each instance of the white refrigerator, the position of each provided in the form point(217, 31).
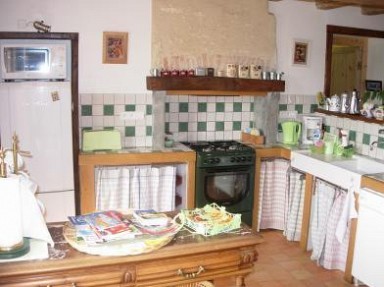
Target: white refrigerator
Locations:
point(40, 113)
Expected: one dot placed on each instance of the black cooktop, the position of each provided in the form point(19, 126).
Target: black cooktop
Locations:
point(218, 146)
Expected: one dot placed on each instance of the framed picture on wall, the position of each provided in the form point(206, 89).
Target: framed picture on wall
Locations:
point(115, 48)
point(371, 85)
point(300, 54)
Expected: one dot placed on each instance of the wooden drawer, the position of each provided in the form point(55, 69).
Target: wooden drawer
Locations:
point(108, 276)
point(193, 268)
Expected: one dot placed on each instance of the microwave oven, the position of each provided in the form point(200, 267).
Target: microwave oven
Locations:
point(33, 61)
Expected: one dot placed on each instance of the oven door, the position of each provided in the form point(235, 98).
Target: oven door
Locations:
point(231, 187)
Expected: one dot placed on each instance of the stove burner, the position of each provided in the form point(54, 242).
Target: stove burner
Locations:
point(217, 146)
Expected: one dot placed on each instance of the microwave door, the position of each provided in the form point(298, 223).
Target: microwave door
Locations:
point(26, 59)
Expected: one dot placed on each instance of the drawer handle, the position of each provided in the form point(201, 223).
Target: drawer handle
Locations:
point(180, 272)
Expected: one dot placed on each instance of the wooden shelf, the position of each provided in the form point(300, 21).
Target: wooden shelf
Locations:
point(350, 116)
point(197, 85)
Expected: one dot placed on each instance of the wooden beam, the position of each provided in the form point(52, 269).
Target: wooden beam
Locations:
point(371, 11)
point(328, 4)
point(368, 7)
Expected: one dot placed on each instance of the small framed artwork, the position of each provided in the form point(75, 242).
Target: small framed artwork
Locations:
point(115, 48)
point(300, 52)
point(371, 85)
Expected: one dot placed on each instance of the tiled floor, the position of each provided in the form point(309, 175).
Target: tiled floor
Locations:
point(282, 263)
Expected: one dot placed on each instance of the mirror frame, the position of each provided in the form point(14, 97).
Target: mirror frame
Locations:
point(332, 30)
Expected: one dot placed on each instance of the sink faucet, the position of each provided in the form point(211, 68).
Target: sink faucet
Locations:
point(375, 143)
point(372, 145)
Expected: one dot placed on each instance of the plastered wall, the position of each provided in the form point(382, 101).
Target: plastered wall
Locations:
point(188, 34)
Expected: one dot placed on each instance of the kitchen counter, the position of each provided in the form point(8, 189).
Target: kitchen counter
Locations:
point(179, 154)
point(373, 181)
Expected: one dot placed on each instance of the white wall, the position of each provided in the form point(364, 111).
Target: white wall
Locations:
point(90, 18)
point(302, 20)
point(295, 20)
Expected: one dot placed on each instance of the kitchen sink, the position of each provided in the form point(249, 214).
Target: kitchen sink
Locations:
point(343, 172)
point(361, 165)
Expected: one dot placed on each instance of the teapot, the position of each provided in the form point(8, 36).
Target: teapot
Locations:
point(334, 103)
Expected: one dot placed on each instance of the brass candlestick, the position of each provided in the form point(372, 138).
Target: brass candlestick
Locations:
point(3, 168)
point(15, 150)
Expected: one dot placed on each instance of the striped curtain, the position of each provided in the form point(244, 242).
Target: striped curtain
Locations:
point(328, 204)
point(294, 216)
point(273, 194)
point(135, 187)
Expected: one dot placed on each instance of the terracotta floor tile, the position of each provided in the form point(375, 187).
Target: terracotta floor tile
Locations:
point(283, 264)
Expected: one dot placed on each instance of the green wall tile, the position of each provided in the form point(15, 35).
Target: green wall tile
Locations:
point(367, 139)
point(299, 108)
point(202, 107)
point(86, 110)
point(130, 108)
point(167, 107)
point(380, 143)
point(352, 135)
point(219, 107)
point(219, 126)
point(130, 131)
point(148, 109)
point(237, 107)
point(109, 110)
point(148, 131)
point(252, 107)
point(283, 107)
point(328, 129)
point(108, 128)
point(166, 128)
point(313, 107)
point(202, 126)
point(236, 126)
point(183, 107)
point(183, 127)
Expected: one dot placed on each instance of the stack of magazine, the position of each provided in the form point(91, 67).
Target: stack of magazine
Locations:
point(111, 226)
point(103, 226)
point(154, 223)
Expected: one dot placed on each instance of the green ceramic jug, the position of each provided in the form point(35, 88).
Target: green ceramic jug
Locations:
point(291, 132)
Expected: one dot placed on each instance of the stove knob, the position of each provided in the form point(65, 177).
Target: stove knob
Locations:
point(243, 158)
point(217, 160)
point(238, 159)
point(233, 159)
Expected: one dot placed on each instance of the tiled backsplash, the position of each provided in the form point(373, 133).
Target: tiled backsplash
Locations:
point(195, 118)
point(102, 111)
point(361, 134)
point(209, 118)
point(187, 117)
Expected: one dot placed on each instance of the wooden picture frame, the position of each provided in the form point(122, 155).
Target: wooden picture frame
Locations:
point(300, 54)
point(373, 85)
point(115, 48)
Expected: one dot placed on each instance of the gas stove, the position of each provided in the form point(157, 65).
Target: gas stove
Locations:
point(222, 153)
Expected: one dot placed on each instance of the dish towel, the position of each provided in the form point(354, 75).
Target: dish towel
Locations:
point(349, 212)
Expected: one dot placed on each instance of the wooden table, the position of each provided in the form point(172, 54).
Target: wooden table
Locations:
point(188, 258)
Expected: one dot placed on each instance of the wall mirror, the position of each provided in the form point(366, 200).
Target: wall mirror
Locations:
point(354, 59)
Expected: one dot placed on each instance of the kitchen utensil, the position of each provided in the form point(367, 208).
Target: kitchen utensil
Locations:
point(291, 132)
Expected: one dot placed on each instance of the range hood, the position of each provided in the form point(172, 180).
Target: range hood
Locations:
point(223, 86)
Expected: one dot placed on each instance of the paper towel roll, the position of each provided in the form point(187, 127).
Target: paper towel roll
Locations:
point(11, 228)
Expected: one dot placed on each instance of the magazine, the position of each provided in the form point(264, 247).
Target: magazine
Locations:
point(148, 217)
point(103, 226)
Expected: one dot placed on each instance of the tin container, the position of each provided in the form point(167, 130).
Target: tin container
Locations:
point(255, 72)
point(243, 71)
point(231, 70)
